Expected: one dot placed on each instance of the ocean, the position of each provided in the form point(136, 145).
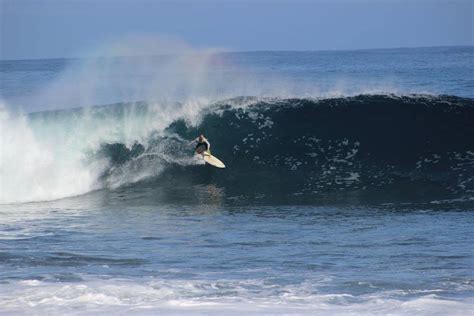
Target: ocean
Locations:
point(348, 188)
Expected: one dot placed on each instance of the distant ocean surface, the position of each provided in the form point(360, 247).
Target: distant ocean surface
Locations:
point(349, 186)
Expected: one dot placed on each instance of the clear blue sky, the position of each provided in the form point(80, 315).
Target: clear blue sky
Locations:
point(67, 28)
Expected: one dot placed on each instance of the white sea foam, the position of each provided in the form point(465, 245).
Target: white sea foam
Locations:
point(32, 169)
point(208, 298)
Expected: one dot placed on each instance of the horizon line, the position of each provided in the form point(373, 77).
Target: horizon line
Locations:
point(252, 51)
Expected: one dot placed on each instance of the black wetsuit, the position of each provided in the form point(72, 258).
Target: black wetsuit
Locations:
point(202, 146)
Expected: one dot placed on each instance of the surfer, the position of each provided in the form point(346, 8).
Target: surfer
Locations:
point(203, 147)
point(202, 144)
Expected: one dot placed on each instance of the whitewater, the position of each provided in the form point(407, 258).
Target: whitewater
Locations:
point(348, 188)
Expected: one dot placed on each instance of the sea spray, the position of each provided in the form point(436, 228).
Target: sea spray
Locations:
point(35, 168)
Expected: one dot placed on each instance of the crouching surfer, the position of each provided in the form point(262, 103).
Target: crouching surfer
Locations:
point(202, 145)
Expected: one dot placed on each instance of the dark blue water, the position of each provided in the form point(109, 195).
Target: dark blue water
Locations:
point(348, 188)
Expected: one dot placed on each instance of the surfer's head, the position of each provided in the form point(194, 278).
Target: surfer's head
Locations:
point(201, 137)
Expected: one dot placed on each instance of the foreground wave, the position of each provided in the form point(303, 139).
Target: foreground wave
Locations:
point(382, 147)
point(211, 298)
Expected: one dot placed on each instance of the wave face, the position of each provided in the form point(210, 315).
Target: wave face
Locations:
point(381, 147)
point(403, 145)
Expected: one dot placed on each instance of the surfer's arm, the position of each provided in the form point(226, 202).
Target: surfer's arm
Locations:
point(193, 141)
point(208, 144)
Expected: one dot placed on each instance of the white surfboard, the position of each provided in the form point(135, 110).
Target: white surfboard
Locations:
point(210, 159)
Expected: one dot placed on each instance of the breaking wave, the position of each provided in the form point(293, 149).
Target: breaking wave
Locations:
point(383, 146)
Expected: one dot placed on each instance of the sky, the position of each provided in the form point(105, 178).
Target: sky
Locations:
point(31, 29)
